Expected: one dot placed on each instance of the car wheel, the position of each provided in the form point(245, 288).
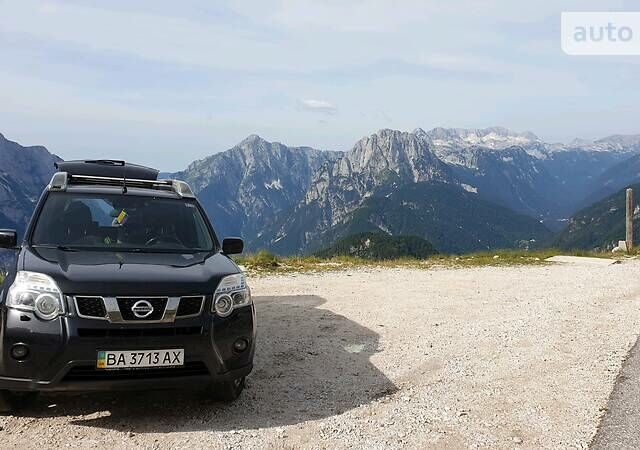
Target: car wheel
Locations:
point(227, 391)
point(11, 401)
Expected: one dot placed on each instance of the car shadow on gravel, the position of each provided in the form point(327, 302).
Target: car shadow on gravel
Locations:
point(310, 363)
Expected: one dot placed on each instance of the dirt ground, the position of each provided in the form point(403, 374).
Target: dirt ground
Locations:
point(519, 357)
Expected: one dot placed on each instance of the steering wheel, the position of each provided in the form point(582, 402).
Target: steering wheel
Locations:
point(163, 238)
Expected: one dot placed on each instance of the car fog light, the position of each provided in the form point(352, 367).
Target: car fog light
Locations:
point(19, 352)
point(240, 345)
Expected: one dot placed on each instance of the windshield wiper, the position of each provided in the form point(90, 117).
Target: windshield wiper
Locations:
point(63, 248)
point(176, 251)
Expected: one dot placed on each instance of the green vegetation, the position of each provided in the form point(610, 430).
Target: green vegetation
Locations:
point(263, 259)
point(450, 218)
point(453, 220)
point(380, 246)
point(264, 263)
point(600, 226)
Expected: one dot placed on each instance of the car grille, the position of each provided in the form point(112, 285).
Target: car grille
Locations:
point(125, 305)
point(90, 373)
point(189, 306)
point(91, 307)
point(119, 310)
point(138, 332)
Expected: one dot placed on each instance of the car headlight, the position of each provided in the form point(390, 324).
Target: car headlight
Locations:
point(32, 291)
point(232, 293)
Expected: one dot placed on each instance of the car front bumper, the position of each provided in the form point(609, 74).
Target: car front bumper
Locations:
point(63, 352)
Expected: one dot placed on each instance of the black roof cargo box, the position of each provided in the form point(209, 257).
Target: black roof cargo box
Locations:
point(107, 168)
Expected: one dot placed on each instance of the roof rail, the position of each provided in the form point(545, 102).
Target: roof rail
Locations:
point(62, 180)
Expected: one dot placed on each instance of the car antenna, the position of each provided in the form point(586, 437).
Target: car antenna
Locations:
point(124, 179)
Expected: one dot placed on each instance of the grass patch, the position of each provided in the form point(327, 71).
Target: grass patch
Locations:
point(261, 260)
point(267, 263)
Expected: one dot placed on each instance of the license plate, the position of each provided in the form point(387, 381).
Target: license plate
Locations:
point(128, 359)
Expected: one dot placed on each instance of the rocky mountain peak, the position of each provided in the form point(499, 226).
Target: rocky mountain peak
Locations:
point(252, 139)
point(579, 142)
point(621, 140)
point(257, 149)
point(248, 185)
point(492, 137)
point(505, 132)
point(256, 145)
point(618, 143)
point(391, 151)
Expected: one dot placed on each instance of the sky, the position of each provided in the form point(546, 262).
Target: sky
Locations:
point(164, 83)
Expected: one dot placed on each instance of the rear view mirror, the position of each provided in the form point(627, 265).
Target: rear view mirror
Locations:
point(8, 239)
point(232, 246)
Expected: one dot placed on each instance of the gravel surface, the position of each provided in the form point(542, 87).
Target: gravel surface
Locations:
point(520, 357)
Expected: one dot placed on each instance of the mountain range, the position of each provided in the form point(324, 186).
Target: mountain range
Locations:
point(24, 171)
point(460, 189)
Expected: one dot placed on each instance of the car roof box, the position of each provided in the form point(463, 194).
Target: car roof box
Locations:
point(107, 168)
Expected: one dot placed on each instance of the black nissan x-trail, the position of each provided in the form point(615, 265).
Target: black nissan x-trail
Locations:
point(121, 283)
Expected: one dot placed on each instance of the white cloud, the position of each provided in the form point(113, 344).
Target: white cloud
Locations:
point(201, 75)
point(318, 106)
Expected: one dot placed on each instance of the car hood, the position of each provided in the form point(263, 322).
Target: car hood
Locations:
point(112, 273)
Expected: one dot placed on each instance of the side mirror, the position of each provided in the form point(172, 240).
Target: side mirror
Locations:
point(8, 239)
point(232, 246)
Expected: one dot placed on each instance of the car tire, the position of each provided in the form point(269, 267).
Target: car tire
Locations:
point(227, 391)
point(11, 401)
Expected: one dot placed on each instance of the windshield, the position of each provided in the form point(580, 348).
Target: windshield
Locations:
point(121, 222)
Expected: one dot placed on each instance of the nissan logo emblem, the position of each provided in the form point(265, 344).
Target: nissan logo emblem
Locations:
point(142, 309)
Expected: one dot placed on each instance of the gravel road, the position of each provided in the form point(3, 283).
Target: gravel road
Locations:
point(520, 357)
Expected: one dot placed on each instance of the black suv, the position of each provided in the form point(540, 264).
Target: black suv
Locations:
point(121, 283)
